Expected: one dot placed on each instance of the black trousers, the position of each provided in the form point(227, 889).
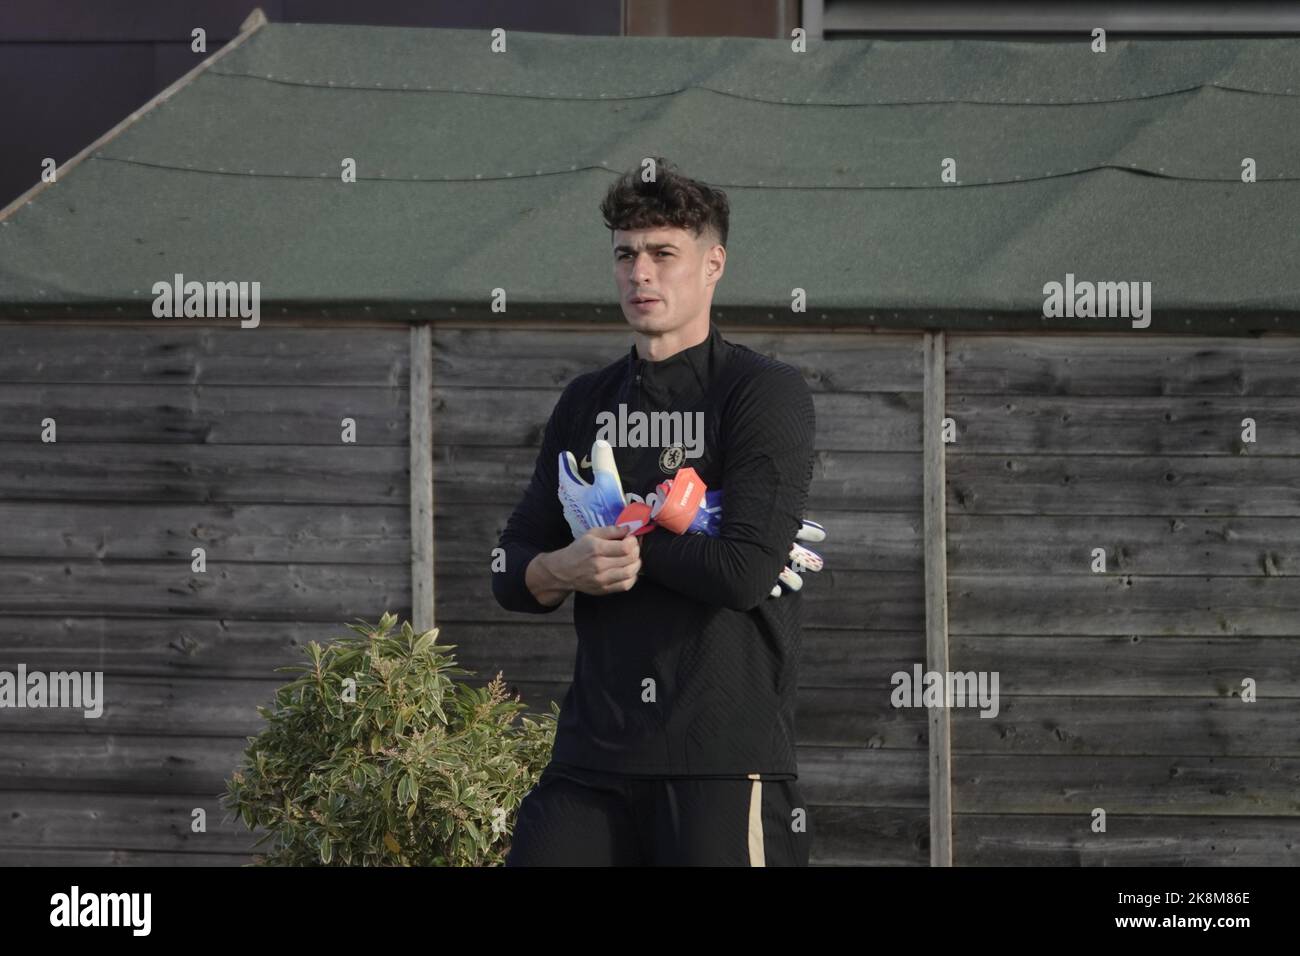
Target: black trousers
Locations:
point(578, 817)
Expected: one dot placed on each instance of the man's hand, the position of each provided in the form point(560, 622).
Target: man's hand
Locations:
point(602, 561)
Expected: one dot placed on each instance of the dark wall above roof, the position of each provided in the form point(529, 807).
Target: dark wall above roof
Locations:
point(479, 170)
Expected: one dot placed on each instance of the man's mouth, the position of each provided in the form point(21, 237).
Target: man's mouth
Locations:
point(640, 300)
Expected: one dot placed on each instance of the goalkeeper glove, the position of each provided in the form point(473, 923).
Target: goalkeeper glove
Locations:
point(596, 505)
point(801, 558)
point(705, 517)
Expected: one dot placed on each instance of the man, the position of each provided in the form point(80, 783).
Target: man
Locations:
point(675, 743)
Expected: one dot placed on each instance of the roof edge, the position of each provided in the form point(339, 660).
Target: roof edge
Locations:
point(1216, 321)
point(252, 23)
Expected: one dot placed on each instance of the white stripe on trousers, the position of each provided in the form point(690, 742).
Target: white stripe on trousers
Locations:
point(756, 857)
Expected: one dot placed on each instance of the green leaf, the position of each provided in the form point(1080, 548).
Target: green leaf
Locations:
point(315, 753)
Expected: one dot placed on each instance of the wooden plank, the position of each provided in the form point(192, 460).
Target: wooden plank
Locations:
point(840, 657)
point(858, 717)
point(936, 600)
point(157, 765)
point(850, 836)
point(855, 540)
point(200, 414)
point(167, 706)
point(95, 763)
point(533, 659)
point(215, 647)
point(141, 473)
point(869, 836)
point(851, 659)
point(305, 592)
point(549, 358)
point(856, 776)
point(844, 834)
point(868, 772)
point(846, 480)
point(825, 716)
point(18, 855)
point(106, 829)
point(307, 533)
point(122, 822)
point(1133, 665)
point(1135, 726)
point(421, 510)
point(876, 422)
point(1134, 425)
point(1122, 604)
point(841, 836)
point(1175, 785)
point(1051, 544)
point(1129, 840)
point(220, 707)
point(883, 600)
point(1149, 485)
point(862, 660)
point(1138, 364)
point(159, 354)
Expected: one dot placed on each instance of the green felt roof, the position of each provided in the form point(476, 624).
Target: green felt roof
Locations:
point(478, 170)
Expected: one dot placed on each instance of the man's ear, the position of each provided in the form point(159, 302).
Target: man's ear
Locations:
point(715, 259)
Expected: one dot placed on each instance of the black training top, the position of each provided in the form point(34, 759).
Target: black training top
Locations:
point(693, 671)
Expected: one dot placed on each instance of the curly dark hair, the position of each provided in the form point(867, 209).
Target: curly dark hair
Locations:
point(671, 200)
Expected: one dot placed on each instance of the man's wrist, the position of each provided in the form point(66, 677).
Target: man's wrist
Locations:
point(542, 581)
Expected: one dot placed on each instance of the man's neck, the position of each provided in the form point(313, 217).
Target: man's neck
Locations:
point(656, 348)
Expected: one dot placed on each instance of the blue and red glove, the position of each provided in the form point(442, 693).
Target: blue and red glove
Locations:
point(690, 508)
point(595, 505)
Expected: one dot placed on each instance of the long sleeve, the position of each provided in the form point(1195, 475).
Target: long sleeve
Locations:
point(768, 454)
point(537, 524)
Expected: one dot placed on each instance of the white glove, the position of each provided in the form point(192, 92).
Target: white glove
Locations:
point(595, 505)
point(801, 558)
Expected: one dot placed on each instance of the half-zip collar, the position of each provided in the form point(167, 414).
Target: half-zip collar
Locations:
point(681, 377)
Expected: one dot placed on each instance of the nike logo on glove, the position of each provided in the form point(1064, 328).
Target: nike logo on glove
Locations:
point(585, 463)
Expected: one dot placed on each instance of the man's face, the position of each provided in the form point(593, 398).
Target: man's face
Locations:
point(665, 276)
